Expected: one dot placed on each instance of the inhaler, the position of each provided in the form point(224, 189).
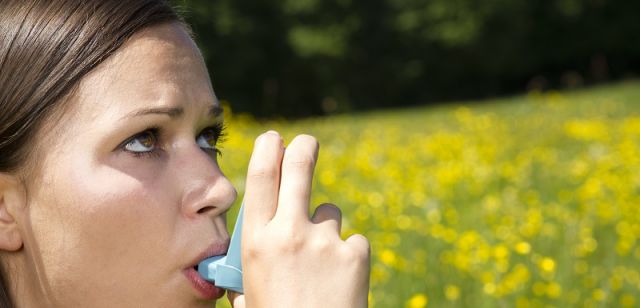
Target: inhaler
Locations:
point(226, 271)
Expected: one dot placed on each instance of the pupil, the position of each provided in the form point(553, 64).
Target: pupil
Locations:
point(147, 140)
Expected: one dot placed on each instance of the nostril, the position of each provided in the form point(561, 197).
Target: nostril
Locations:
point(206, 209)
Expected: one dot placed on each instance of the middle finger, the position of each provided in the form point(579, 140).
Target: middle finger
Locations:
point(297, 174)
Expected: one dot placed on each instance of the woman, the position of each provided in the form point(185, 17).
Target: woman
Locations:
point(110, 192)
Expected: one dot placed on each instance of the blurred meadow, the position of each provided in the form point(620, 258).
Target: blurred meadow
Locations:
point(527, 201)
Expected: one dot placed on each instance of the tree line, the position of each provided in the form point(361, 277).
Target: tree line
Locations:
point(297, 58)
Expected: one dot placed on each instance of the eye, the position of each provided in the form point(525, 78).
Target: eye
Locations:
point(209, 137)
point(144, 142)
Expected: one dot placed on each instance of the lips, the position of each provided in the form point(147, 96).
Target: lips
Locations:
point(206, 290)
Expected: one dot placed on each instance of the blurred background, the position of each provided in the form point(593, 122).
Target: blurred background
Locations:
point(487, 149)
point(309, 57)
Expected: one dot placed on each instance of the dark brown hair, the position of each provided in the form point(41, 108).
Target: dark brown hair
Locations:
point(46, 47)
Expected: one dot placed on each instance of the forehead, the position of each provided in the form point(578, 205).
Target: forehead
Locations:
point(158, 67)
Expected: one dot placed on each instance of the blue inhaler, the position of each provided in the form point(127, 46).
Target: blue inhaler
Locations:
point(226, 271)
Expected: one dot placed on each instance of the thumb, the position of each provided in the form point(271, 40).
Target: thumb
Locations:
point(236, 299)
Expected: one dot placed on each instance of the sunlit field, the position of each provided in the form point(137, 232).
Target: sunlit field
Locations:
point(530, 201)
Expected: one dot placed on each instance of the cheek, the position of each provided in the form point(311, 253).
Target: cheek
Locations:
point(101, 223)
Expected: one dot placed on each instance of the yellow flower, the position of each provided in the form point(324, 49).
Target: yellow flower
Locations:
point(587, 130)
point(417, 301)
point(627, 300)
point(501, 252)
point(599, 295)
point(489, 288)
point(548, 265)
point(554, 290)
point(388, 257)
point(452, 292)
point(523, 248)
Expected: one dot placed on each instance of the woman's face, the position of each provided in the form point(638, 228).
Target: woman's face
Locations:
point(128, 196)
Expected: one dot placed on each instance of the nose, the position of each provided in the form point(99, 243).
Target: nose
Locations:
point(206, 191)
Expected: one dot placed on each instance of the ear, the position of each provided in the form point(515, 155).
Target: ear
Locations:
point(12, 198)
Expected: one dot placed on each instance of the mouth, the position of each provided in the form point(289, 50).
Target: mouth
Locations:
point(205, 289)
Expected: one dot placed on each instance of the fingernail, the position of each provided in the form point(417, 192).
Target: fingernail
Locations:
point(273, 132)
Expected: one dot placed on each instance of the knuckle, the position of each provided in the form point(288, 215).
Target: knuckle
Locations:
point(322, 245)
point(361, 249)
point(251, 253)
point(359, 256)
point(289, 240)
point(363, 255)
point(262, 172)
point(252, 249)
point(290, 247)
point(301, 162)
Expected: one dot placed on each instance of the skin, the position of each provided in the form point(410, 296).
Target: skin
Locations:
point(97, 224)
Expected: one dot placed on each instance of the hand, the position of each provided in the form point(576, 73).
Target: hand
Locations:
point(288, 259)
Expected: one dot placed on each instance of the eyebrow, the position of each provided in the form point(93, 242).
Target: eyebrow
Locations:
point(214, 111)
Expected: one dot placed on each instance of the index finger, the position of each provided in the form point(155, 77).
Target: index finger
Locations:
point(263, 180)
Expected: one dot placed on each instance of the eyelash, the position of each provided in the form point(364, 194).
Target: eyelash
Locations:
point(218, 130)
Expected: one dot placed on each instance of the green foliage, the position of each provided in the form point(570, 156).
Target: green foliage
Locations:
point(291, 57)
point(317, 41)
point(452, 23)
